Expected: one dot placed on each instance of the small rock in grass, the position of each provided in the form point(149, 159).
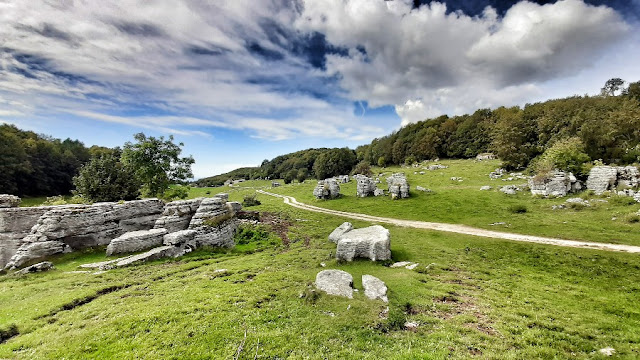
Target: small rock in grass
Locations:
point(412, 266)
point(608, 351)
point(485, 188)
point(335, 282)
point(43, 266)
point(411, 326)
point(374, 288)
point(400, 264)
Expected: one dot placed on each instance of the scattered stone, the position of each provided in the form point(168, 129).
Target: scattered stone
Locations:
point(420, 188)
point(411, 326)
point(421, 173)
point(558, 207)
point(401, 264)
point(374, 288)
point(486, 156)
point(9, 201)
point(412, 266)
point(344, 228)
point(323, 264)
point(608, 351)
point(327, 189)
point(497, 174)
point(372, 242)
point(335, 282)
point(398, 186)
point(485, 188)
point(498, 223)
point(136, 241)
point(436, 167)
point(102, 264)
point(509, 189)
point(43, 266)
point(275, 184)
point(455, 178)
point(577, 201)
point(378, 192)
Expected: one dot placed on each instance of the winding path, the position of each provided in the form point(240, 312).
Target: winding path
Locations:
point(460, 229)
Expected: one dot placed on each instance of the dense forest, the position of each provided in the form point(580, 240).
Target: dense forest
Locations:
point(38, 165)
point(583, 128)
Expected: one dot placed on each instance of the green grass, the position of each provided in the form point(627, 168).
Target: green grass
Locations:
point(472, 297)
point(463, 203)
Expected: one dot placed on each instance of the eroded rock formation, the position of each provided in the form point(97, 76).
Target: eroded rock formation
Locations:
point(327, 189)
point(373, 242)
point(604, 178)
point(398, 186)
point(365, 186)
point(558, 183)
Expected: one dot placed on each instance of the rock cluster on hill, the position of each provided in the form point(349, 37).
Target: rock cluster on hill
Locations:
point(9, 201)
point(365, 186)
point(558, 183)
point(604, 178)
point(373, 242)
point(29, 234)
point(327, 189)
point(398, 186)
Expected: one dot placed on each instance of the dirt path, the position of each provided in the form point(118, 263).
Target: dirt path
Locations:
point(460, 229)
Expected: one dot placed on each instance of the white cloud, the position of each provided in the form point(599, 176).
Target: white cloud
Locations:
point(453, 62)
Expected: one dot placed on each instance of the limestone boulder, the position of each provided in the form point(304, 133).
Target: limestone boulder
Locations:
point(509, 189)
point(9, 201)
point(373, 242)
point(628, 177)
point(335, 282)
point(558, 183)
point(179, 238)
point(136, 241)
point(374, 288)
point(177, 215)
point(153, 254)
point(365, 186)
point(602, 178)
point(378, 192)
point(398, 186)
point(327, 189)
point(35, 251)
point(485, 188)
point(339, 231)
point(15, 224)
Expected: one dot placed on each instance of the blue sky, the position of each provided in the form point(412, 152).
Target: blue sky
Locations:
point(241, 81)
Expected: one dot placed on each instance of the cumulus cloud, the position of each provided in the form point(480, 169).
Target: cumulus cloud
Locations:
point(398, 53)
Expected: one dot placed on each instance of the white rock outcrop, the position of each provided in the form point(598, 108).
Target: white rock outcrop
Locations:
point(398, 186)
point(374, 288)
point(335, 282)
point(327, 189)
point(557, 183)
point(365, 186)
point(136, 241)
point(373, 242)
point(602, 178)
point(9, 201)
point(339, 231)
point(177, 215)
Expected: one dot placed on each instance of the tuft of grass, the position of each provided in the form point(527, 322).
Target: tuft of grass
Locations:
point(250, 200)
point(622, 200)
point(518, 209)
point(577, 206)
point(632, 218)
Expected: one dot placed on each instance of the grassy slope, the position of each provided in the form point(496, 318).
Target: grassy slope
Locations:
point(464, 203)
point(486, 297)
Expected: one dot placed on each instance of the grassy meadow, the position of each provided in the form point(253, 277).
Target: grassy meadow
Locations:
point(609, 218)
point(472, 297)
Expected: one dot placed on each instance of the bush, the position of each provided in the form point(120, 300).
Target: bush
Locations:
point(176, 192)
point(105, 178)
point(518, 209)
point(302, 175)
point(623, 200)
point(250, 234)
point(364, 168)
point(632, 218)
point(567, 154)
point(289, 176)
point(250, 200)
point(577, 206)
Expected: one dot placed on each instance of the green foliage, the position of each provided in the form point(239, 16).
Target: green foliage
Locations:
point(247, 173)
point(632, 218)
point(217, 220)
point(64, 200)
point(566, 154)
point(37, 165)
point(612, 86)
point(302, 175)
point(250, 200)
point(410, 160)
point(289, 176)
point(248, 233)
point(157, 163)
point(382, 162)
point(334, 162)
point(176, 192)
point(363, 167)
point(106, 178)
point(518, 209)
point(623, 200)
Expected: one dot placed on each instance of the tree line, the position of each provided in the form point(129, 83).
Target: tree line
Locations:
point(558, 133)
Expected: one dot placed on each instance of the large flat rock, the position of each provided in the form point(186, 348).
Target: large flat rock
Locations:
point(136, 241)
point(373, 242)
point(335, 282)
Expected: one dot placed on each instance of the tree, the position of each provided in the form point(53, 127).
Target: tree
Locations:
point(633, 90)
point(566, 154)
point(105, 178)
point(611, 86)
point(334, 162)
point(382, 161)
point(289, 176)
point(157, 163)
point(302, 175)
point(363, 168)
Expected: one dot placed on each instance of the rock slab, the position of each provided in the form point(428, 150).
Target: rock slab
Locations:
point(335, 282)
point(39, 267)
point(136, 241)
point(339, 231)
point(373, 242)
point(374, 288)
point(9, 201)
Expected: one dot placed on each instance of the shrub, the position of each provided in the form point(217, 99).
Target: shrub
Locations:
point(632, 218)
point(364, 168)
point(105, 178)
point(567, 154)
point(250, 200)
point(577, 206)
point(176, 192)
point(55, 200)
point(623, 200)
point(518, 209)
point(217, 220)
point(302, 175)
point(247, 233)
